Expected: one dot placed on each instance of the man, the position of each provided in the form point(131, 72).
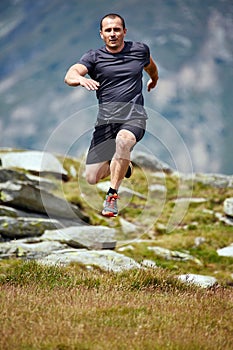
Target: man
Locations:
point(115, 73)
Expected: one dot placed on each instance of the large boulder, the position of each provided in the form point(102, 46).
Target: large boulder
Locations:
point(149, 161)
point(91, 237)
point(21, 248)
point(26, 196)
point(107, 260)
point(35, 161)
point(13, 228)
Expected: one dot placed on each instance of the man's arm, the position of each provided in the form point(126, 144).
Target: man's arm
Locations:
point(75, 76)
point(152, 71)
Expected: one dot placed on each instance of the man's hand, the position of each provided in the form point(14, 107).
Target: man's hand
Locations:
point(76, 76)
point(89, 84)
point(151, 84)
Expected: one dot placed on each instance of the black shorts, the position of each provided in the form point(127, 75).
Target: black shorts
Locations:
point(103, 144)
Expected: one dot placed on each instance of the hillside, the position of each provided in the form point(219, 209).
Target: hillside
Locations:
point(170, 220)
point(159, 276)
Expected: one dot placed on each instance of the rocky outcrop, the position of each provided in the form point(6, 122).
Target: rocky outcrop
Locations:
point(36, 161)
point(149, 161)
point(36, 224)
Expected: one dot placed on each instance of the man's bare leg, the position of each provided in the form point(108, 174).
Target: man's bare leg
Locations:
point(97, 172)
point(125, 140)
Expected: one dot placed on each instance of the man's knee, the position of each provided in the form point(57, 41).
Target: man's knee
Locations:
point(124, 142)
point(94, 173)
point(91, 178)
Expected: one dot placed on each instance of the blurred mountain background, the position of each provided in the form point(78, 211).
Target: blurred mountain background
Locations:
point(191, 41)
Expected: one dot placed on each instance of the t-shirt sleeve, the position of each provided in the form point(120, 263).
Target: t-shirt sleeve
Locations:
point(88, 60)
point(147, 55)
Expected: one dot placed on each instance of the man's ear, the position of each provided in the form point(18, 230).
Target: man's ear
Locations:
point(101, 35)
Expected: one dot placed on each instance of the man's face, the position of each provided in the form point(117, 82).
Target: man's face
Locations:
point(113, 34)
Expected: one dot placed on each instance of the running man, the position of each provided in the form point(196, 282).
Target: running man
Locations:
point(115, 72)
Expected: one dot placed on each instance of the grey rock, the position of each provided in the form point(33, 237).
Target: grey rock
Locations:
point(198, 241)
point(226, 251)
point(7, 175)
point(158, 188)
point(198, 280)
point(228, 220)
point(91, 237)
point(173, 254)
point(34, 161)
point(149, 161)
point(12, 175)
point(25, 227)
point(215, 180)
point(148, 263)
point(190, 200)
point(127, 227)
point(26, 196)
point(23, 248)
point(42, 182)
point(228, 206)
point(107, 260)
point(8, 211)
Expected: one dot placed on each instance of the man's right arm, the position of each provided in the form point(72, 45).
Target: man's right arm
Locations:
point(75, 76)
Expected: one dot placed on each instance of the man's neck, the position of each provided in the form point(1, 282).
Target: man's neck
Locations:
point(117, 50)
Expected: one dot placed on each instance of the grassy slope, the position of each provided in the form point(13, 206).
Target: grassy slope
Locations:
point(152, 215)
point(71, 308)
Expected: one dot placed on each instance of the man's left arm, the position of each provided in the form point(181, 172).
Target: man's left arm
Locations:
point(152, 71)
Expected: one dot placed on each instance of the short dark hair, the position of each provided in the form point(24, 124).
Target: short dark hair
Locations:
point(112, 15)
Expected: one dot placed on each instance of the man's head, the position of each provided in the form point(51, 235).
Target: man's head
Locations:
point(113, 31)
point(113, 16)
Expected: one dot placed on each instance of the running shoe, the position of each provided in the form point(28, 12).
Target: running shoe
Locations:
point(129, 171)
point(110, 205)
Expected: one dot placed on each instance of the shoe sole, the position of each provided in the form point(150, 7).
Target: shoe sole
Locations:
point(109, 214)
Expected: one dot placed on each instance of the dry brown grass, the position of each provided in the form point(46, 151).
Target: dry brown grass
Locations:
point(132, 311)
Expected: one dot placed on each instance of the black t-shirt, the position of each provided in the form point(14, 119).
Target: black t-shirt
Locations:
point(120, 77)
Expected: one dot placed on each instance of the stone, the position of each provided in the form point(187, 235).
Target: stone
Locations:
point(26, 196)
point(149, 161)
point(8, 211)
point(226, 251)
point(190, 200)
point(107, 260)
point(198, 280)
point(90, 237)
point(148, 263)
point(14, 228)
point(228, 220)
point(37, 161)
point(215, 180)
point(173, 255)
point(198, 241)
point(158, 188)
point(23, 248)
point(127, 227)
point(12, 175)
point(228, 206)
